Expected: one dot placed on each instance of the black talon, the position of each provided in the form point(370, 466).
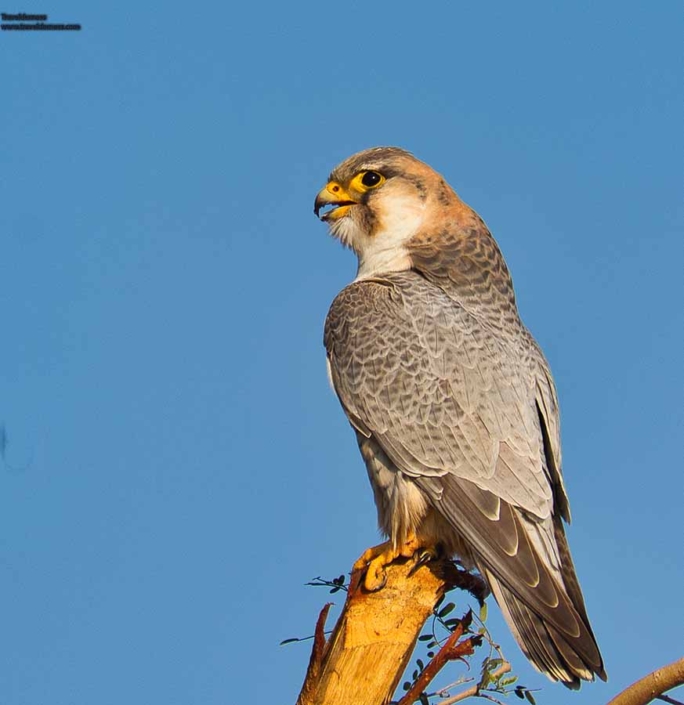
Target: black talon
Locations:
point(421, 558)
point(425, 555)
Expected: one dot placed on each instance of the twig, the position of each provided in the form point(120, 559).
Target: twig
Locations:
point(651, 686)
point(449, 651)
point(475, 689)
point(668, 699)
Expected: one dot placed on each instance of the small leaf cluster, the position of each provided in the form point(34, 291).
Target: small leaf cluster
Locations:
point(495, 680)
point(423, 698)
point(525, 694)
point(441, 622)
point(440, 618)
point(335, 585)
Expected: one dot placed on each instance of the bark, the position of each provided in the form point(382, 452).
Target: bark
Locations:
point(651, 686)
point(373, 640)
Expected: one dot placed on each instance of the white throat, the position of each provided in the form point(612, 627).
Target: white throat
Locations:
point(386, 250)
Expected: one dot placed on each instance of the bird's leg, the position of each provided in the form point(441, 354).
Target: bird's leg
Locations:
point(379, 557)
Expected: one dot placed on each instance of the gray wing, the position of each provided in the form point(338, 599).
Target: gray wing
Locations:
point(469, 412)
point(441, 393)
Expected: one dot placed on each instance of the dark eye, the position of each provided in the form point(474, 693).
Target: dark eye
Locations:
point(371, 178)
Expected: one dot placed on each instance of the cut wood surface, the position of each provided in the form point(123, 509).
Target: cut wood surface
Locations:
point(373, 640)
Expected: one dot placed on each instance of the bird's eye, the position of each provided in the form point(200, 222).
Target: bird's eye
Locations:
point(371, 178)
point(366, 180)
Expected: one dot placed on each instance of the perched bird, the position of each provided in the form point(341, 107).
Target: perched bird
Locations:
point(452, 401)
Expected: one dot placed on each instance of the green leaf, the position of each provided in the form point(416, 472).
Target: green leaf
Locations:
point(424, 699)
point(288, 641)
point(425, 637)
point(520, 692)
point(494, 663)
point(505, 682)
point(483, 612)
point(445, 610)
point(530, 697)
point(420, 664)
point(406, 685)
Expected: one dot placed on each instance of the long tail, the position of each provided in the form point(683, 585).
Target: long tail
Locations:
point(562, 655)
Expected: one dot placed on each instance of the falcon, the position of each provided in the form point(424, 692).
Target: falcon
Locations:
point(452, 402)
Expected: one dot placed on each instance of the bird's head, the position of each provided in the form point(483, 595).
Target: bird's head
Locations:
point(376, 201)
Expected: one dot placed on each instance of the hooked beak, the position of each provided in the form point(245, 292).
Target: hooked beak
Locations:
point(332, 194)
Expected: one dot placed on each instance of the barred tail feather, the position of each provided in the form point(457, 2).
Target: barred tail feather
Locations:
point(558, 655)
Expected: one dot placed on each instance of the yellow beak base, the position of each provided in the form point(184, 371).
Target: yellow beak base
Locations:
point(332, 194)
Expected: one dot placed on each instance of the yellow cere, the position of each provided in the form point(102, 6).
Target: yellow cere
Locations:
point(336, 190)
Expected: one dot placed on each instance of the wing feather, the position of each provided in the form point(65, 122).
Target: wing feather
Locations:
point(439, 399)
point(470, 414)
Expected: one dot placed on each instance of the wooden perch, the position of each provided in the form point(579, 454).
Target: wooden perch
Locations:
point(373, 640)
point(652, 686)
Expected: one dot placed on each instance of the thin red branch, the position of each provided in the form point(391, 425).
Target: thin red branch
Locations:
point(317, 653)
point(450, 650)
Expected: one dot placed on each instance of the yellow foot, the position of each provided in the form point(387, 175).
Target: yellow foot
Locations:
point(379, 557)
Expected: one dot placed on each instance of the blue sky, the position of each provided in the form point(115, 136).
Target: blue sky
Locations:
point(176, 465)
